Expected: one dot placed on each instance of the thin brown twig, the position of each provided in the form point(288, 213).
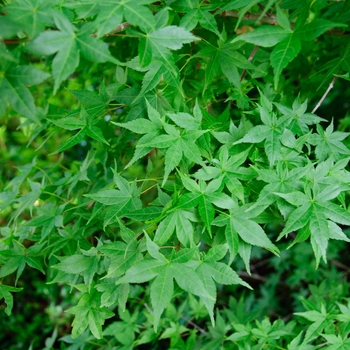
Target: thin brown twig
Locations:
point(253, 276)
point(340, 265)
point(250, 59)
point(325, 94)
point(251, 17)
point(262, 8)
point(272, 20)
point(195, 326)
point(121, 27)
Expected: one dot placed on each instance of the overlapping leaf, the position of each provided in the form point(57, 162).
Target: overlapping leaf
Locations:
point(67, 43)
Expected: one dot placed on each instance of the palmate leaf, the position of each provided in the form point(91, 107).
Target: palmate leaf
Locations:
point(282, 54)
point(17, 258)
point(5, 292)
point(31, 16)
point(111, 13)
point(121, 257)
point(328, 143)
point(171, 37)
point(158, 43)
point(311, 215)
point(178, 221)
point(151, 128)
point(177, 145)
point(299, 118)
point(67, 44)
point(164, 272)
point(252, 233)
point(227, 59)
point(211, 271)
point(204, 196)
point(13, 86)
point(265, 36)
point(86, 266)
point(314, 29)
point(88, 313)
point(125, 199)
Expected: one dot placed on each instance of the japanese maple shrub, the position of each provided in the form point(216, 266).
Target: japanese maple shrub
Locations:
point(165, 181)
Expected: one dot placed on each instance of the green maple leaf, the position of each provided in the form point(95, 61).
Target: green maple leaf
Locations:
point(316, 216)
point(225, 59)
point(299, 119)
point(14, 80)
point(270, 131)
point(85, 265)
point(178, 221)
point(328, 143)
point(279, 180)
point(282, 54)
point(121, 256)
point(18, 257)
point(163, 272)
point(201, 15)
point(229, 167)
point(49, 217)
point(86, 126)
point(111, 13)
point(249, 231)
point(125, 199)
point(211, 270)
point(205, 195)
point(157, 71)
point(31, 16)
point(67, 43)
point(265, 36)
point(177, 144)
point(151, 128)
point(157, 46)
point(88, 313)
point(242, 232)
point(5, 292)
point(319, 321)
point(133, 11)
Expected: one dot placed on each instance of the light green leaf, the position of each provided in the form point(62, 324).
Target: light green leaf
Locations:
point(96, 133)
point(314, 29)
point(69, 123)
point(282, 18)
point(78, 137)
point(172, 37)
point(184, 120)
point(26, 75)
point(255, 135)
point(162, 289)
point(282, 54)
point(142, 271)
point(297, 219)
point(265, 36)
point(5, 292)
point(336, 213)
point(189, 280)
point(95, 50)
point(252, 233)
point(320, 231)
point(153, 250)
point(65, 62)
point(20, 99)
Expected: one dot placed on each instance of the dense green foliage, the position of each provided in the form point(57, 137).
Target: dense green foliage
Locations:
point(174, 174)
